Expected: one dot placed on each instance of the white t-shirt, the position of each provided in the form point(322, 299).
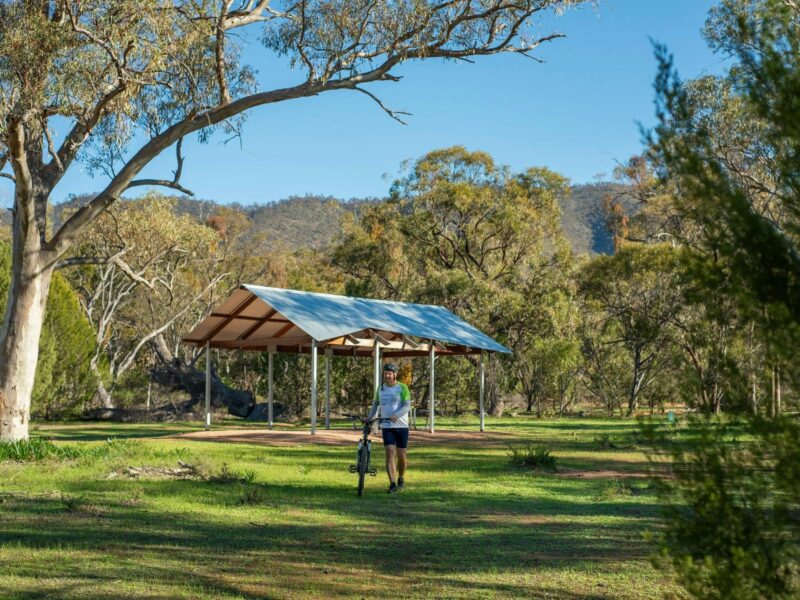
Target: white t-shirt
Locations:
point(393, 401)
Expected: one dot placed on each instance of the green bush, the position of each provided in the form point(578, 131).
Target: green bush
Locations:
point(226, 475)
point(529, 456)
point(252, 495)
point(731, 508)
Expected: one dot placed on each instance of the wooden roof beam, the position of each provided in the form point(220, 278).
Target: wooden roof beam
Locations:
point(378, 337)
point(257, 325)
point(242, 305)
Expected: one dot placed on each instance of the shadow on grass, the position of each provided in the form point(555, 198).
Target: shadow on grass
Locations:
point(440, 530)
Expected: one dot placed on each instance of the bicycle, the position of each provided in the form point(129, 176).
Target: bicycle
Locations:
point(363, 451)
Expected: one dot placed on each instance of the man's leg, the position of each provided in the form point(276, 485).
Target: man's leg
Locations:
point(402, 456)
point(391, 457)
point(402, 461)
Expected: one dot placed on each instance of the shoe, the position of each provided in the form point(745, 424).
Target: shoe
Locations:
point(393, 488)
point(401, 484)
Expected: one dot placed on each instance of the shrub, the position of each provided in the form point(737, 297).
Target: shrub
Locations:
point(730, 510)
point(252, 494)
point(603, 442)
point(228, 475)
point(529, 456)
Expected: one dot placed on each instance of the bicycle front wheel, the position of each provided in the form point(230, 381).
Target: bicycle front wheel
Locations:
point(363, 467)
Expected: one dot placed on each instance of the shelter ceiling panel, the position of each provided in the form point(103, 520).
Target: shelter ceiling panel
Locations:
point(269, 329)
point(258, 309)
point(232, 302)
point(205, 327)
point(233, 329)
point(292, 344)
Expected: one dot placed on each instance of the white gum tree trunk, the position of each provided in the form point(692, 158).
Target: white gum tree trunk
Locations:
point(22, 326)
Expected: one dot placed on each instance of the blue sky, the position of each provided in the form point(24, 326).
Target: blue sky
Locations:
point(576, 114)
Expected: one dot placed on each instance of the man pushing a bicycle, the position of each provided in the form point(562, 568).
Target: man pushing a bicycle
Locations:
point(394, 401)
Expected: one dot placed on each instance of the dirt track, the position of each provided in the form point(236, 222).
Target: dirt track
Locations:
point(342, 437)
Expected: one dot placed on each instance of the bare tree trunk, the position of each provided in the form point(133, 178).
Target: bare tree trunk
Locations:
point(101, 393)
point(495, 403)
point(717, 404)
point(633, 396)
point(19, 336)
point(775, 400)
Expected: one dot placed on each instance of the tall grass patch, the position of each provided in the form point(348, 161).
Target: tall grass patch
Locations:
point(41, 449)
point(532, 456)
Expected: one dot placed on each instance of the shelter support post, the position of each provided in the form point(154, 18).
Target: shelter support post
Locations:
point(270, 361)
point(431, 401)
point(313, 387)
point(328, 357)
point(376, 353)
point(208, 385)
point(481, 388)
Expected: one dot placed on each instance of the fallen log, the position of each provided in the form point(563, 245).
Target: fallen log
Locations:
point(175, 374)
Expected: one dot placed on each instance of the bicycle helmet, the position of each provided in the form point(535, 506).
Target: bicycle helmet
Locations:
point(390, 367)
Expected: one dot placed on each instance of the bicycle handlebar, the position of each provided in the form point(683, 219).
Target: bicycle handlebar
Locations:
point(364, 419)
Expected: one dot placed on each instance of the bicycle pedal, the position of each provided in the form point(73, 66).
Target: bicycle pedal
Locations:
point(352, 468)
point(373, 472)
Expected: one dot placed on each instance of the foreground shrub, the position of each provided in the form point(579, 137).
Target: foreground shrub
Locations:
point(731, 509)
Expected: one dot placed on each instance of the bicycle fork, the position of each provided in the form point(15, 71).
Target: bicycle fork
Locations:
point(354, 468)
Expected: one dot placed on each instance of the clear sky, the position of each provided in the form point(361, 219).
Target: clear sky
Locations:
point(576, 114)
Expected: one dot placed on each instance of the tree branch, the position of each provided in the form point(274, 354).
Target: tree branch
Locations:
point(160, 182)
point(69, 231)
point(219, 54)
point(23, 188)
point(392, 113)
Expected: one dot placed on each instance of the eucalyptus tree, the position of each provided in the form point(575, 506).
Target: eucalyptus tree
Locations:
point(466, 233)
point(150, 268)
point(131, 78)
point(636, 295)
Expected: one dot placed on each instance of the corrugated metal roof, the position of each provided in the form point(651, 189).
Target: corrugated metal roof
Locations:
point(325, 317)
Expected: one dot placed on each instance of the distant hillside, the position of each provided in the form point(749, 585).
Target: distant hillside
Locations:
point(302, 220)
point(313, 221)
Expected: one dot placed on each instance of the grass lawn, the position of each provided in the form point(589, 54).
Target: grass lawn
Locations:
point(285, 522)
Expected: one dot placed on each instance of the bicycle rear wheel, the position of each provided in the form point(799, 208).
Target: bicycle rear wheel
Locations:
point(363, 467)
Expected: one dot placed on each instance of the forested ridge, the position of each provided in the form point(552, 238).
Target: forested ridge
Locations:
point(313, 221)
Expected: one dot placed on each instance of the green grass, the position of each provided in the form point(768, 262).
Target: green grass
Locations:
point(285, 522)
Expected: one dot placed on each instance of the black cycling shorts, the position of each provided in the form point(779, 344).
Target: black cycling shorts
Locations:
point(395, 436)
